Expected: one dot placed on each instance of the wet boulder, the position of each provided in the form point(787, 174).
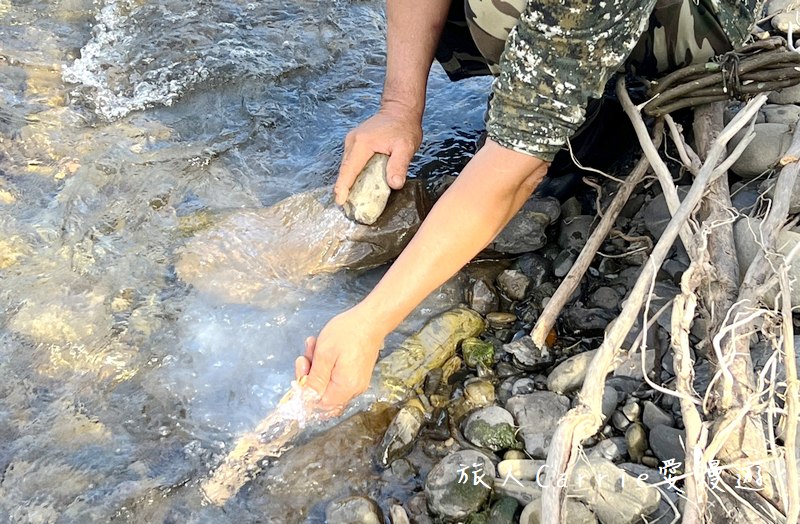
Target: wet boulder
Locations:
point(248, 252)
point(401, 433)
point(525, 232)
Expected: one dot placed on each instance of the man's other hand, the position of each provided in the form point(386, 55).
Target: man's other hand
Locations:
point(339, 363)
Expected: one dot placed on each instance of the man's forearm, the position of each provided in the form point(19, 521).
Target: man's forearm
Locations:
point(484, 197)
point(414, 27)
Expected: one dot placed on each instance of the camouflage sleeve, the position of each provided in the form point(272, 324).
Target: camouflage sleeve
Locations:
point(560, 54)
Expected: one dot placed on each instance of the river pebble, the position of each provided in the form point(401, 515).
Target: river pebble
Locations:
point(654, 415)
point(491, 427)
point(368, 197)
point(459, 485)
point(477, 352)
point(568, 376)
point(482, 298)
point(514, 284)
point(611, 493)
point(537, 415)
point(666, 443)
point(353, 510)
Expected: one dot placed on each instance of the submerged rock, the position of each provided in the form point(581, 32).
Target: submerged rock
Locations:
point(353, 510)
point(250, 252)
point(370, 192)
point(401, 433)
point(491, 427)
point(459, 485)
point(477, 352)
point(574, 513)
point(537, 415)
point(406, 367)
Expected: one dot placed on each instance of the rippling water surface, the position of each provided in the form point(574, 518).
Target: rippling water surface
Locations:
point(124, 126)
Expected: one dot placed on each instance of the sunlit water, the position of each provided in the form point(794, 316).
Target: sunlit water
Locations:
point(121, 121)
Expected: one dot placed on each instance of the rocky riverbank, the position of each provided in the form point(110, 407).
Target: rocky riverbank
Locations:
point(472, 444)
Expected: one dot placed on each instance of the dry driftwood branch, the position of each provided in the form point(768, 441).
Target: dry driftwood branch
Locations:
point(733, 393)
point(546, 321)
point(791, 400)
point(720, 290)
point(682, 317)
point(689, 158)
point(583, 420)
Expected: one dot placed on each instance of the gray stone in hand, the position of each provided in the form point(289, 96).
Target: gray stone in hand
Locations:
point(370, 192)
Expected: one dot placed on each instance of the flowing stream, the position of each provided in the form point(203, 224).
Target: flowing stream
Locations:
point(125, 125)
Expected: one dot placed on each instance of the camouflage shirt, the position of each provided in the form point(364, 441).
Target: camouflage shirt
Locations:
point(561, 53)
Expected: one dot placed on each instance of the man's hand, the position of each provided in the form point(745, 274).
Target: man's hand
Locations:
point(339, 363)
point(395, 130)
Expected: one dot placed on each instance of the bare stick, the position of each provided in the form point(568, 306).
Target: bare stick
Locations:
point(682, 316)
point(687, 154)
point(573, 278)
point(582, 421)
point(651, 152)
point(791, 399)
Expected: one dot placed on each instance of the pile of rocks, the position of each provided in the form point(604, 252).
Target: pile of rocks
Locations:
point(477, 450)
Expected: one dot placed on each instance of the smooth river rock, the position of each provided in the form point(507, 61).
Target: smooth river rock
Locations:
point(748, 239)
point(370, 192)
point(459, 485)
point(491, 427)
point(770, 143)
point(353, 510)
point(613, 495)
point(568, 376)
point(537, 415)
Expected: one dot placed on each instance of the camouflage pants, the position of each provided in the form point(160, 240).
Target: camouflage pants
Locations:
point(681, 32)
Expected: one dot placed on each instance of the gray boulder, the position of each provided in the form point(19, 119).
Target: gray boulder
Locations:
point(537, 415)
point(747, 235)
point(767, 147)
point(250, 251)
point(667, 443)
point(459, 485)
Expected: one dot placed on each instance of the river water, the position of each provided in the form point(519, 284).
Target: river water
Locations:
point(122, 125)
